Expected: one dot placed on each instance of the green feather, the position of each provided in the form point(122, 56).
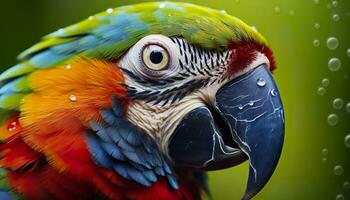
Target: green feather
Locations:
point(43, 45)
point(11, 101)
point(17, 70)
point(4, 185)
point(206, 27)
point(109, 34)
point(18, 85)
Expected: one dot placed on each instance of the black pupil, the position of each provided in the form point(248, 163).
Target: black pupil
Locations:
point(156, 57)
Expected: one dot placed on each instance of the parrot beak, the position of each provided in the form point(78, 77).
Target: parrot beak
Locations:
point(252, 107)
point(246, 122)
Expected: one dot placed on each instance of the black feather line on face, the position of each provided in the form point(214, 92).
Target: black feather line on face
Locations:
point(198, 67)
point(172, 95)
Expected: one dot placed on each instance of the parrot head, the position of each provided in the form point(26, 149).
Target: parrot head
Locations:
point(204, 111)
point(184, 87)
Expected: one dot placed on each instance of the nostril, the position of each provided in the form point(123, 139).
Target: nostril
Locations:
point(223, 128)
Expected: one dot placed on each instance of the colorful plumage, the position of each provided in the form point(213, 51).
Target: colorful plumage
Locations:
point(83, 119)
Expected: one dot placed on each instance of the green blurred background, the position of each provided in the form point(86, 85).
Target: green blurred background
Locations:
point(315, 162)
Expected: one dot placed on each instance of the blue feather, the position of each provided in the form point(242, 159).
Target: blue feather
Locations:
point(133, 157)
point(115, 35)
point(172, 181)
point(143, 156)
point(132, 154)
point(159, 171)
point(129, 135)
point(12, 86)
point(117, 107)
point(48, 58)
point(149, 174)
point(5, 195)
point(113, 133)
point(108, 116)
point(167, 168)
point(125, 146)
point(138, 177)
point(113, 150)
point(98, 154)
point(96, 126)
point(130, 22)
point(89, 41)
point(103, 134)
point(121, 169)
point(67, 48)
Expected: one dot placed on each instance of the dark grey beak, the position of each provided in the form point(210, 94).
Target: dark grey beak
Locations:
point(252, 107)
point(246, 121)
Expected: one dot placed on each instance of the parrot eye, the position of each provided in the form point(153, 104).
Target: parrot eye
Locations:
point(155, 57)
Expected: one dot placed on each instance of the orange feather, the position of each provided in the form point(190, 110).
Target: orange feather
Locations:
point(50, 132)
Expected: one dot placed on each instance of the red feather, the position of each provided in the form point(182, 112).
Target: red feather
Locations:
point(65, 171)
point(245, 53)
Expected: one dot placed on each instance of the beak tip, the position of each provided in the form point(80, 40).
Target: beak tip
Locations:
point(246, 197)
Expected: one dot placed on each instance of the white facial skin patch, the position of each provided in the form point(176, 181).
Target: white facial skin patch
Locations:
point(160, 119)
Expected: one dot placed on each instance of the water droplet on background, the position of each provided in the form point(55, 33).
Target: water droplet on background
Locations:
point(316, 1)
point(348, 52)
point(334, 64)
point(317, 26)
point(332, 119)
point(291, 12)
point(325, 82)
point(324, 160)
point(346, 185)
point(240, 107)
point(334, 3)
point(277, 9)
point(347, 141)
point(338, 170)
point(321, 91)
point(261, 82)
point(91, 18)
point(332, 43)
point(340, 197)
point(348, 107)
point(68, 66)
point(336, 17)
point(73, 98)
point(223, 11)
point(251, 103)
point(316, 43)
point(338, 103)
point(324, 151)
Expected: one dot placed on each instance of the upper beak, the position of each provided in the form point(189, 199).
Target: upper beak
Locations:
point(245, 121)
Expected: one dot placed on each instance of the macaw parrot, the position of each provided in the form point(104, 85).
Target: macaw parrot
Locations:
point(139, 102)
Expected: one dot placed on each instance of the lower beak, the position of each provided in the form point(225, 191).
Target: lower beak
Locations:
point(246, 122)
